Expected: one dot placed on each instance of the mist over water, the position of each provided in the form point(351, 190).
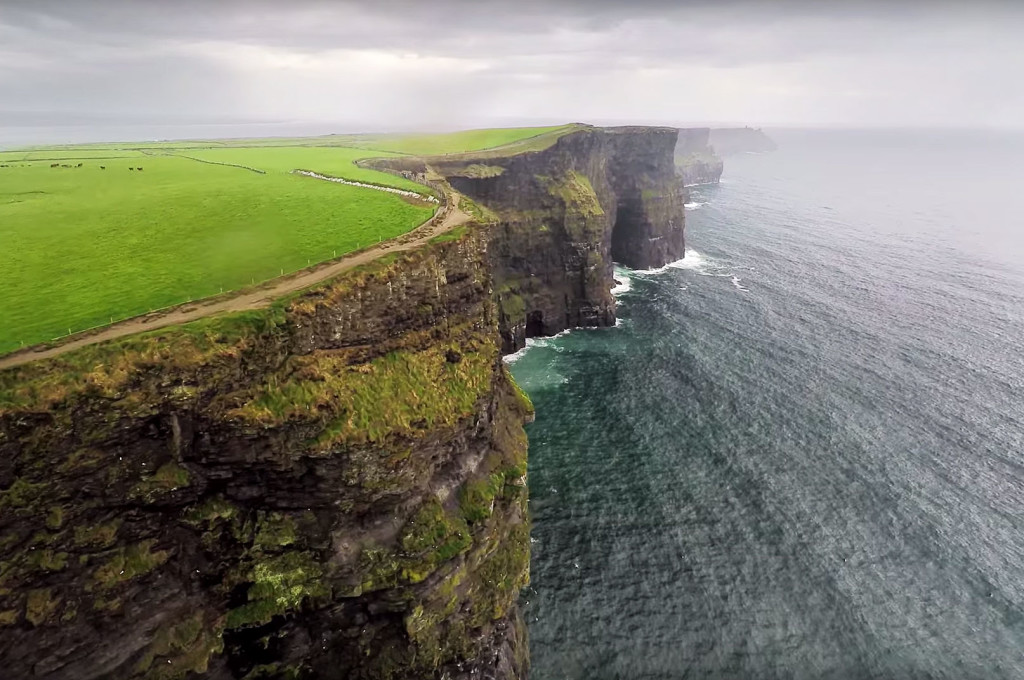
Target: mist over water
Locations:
point(801, 453)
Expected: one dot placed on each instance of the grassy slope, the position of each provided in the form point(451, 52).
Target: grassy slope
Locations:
point(456, 142)
point(84, 245)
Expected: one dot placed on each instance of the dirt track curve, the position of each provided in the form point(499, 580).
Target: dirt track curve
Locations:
point(446, 219)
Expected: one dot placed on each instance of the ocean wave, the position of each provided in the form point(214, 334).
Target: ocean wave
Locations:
point(624, 285)
point(694, 206)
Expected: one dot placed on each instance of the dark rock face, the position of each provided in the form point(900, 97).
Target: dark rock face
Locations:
point(696, 159)
point(333, 488)
point(565, 213)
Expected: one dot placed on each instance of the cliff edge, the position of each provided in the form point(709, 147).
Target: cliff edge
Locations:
point(564, 214)
point(333, 486)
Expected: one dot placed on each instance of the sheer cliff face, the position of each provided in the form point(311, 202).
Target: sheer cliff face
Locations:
point(696, 159)
point(332, 488)
point(564, 214)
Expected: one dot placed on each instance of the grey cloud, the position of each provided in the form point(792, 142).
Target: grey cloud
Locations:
point(798, 62)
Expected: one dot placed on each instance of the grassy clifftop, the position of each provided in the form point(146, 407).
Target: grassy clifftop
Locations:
point(104, 232)
point(332, 486)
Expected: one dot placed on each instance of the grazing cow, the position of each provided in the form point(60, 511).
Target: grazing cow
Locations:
point(103, 167)
point(131, 168)
point(54, 165)
point(139, 168)
point(79, 165)
point(65, 166)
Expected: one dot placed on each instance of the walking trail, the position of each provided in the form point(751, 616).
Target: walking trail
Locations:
point(447, 218)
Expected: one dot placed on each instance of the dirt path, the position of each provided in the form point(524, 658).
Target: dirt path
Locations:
point(447, 218)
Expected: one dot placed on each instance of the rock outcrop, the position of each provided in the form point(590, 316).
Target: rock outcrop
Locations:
point(564, 214)
point(332, 487)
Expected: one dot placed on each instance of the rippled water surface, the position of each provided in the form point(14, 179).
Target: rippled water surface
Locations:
point(801, 453)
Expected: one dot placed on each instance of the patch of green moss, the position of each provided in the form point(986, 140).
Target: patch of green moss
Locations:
point(107, 604)
point(476, 497)
point(40, 604)
point(575, 191)
point(279, 584)
point(501, 575)
point(455, 234)
point(274, 530)
point(275, 671)
point(20, 494)
point(429, 539)
point(210, 511)
point(47, 560)
point(479, 212)
point(8, 617)
point(128, 563)
point(522, 398)
point(512, 304)
point(55, 518)
point(403, 393)
point(168, 477)
point(180, 648)
point(99, 536)
point(435, 534)
point(69, 614)
point(478, 170)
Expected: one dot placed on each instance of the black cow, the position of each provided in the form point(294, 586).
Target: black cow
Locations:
point(103, 167)
point(54, 165)
point(139, 168)
point(131, 168)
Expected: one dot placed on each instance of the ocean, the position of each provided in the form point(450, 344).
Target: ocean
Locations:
point(800, 454)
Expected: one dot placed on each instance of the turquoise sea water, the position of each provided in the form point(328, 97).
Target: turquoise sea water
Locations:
point(801, 452)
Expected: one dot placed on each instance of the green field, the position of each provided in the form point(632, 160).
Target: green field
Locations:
point(80, 246)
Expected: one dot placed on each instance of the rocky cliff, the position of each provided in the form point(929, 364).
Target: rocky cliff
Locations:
point(696, 159)
point(728, 141)
point(332, 488)
point(335, 486)
point(563, 215)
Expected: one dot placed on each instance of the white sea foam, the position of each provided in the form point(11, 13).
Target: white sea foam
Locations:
point(624, 284)
point(694, 205)
point(515, 356)
point(736, 282)
point(692, 260)
point(535, 342)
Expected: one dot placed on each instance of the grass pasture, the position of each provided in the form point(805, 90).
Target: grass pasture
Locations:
point(81, 246)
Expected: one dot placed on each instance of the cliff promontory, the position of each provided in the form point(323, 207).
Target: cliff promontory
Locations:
point(563, 215)
point(333, 486)
point(729, 141)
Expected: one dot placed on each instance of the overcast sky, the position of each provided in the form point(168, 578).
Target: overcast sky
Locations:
point(459, 63)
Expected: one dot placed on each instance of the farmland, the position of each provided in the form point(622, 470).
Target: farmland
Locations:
point(91, 240)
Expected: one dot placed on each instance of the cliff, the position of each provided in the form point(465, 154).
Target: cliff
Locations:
point(564, 214)
point(331, 487)
point(729, 141)
point(695, 158)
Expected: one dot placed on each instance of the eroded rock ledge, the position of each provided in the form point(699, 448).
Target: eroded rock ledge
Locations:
point(334, 487)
